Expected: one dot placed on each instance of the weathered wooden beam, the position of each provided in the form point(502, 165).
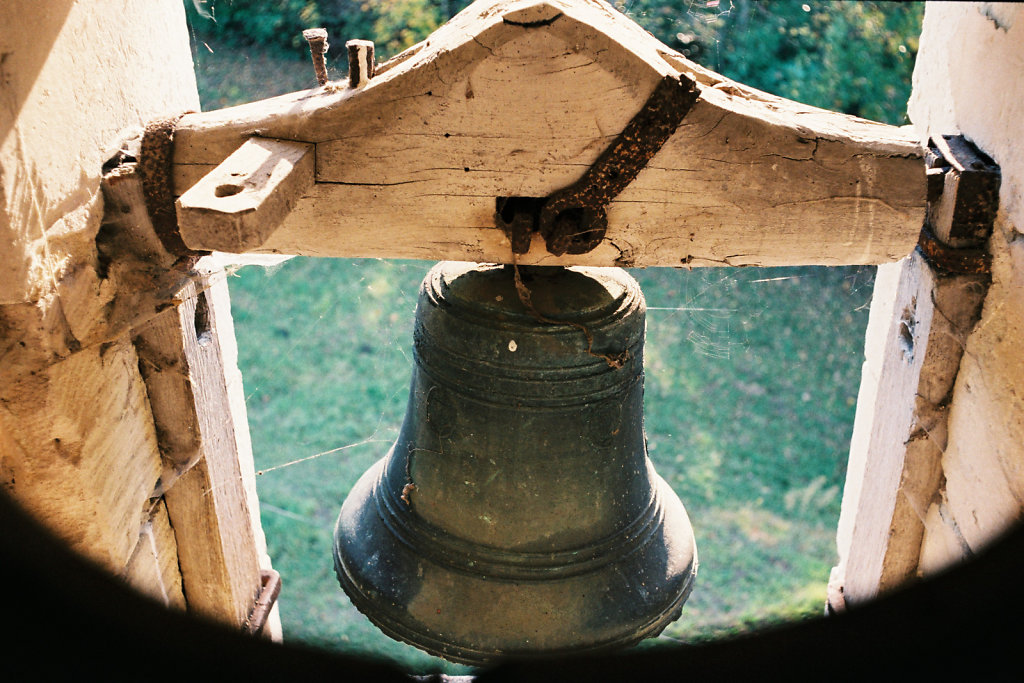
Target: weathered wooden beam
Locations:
point(79, 448)
point(172, 378)
point(922, 313)
point(206, 497)
point(184, 340)
point(153, 566)
point(923, 319)
point(246, 197)
point(412, 164)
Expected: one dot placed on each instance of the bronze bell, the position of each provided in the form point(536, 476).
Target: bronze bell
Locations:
point(517, 513)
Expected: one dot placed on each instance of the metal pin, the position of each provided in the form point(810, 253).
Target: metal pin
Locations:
point(317, 39)
point(360, 62)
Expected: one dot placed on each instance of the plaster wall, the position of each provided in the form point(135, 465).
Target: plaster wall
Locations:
point(79, 445)
point(73, 407)
point(73, 75)
point(969, 78)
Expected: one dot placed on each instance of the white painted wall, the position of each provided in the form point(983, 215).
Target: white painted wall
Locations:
point(969, 78)
point(933, 479)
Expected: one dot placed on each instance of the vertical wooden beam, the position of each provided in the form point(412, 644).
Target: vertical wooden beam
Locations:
point(923, 311)
point(916, 333)
point(220, 311)
point(188, 359)
point(80, 451)
point(206, 498)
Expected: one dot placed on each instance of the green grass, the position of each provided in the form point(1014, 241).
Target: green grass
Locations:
point(749, 408)
point(751, 379)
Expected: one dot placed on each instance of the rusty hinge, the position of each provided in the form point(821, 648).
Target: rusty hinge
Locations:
point(573, 219)
point(270, 588)
point(963, 197)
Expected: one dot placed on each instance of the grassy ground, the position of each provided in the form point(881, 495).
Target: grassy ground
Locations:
point(749, 407)
point(751, 380)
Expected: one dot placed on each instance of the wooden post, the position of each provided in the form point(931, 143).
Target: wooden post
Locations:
point(922, 313)
point(206, 498)
point(919, 323)
point(153, 566)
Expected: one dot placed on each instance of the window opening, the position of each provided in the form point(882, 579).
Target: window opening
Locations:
point(751, 381)
point(751, 374)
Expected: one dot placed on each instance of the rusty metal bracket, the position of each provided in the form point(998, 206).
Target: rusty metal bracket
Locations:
point(963, 197)
point(156, 162)
point(573, 220)
point(270, 588)
point(949, 261)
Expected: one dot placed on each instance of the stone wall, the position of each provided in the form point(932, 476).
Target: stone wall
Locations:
point(84, 299)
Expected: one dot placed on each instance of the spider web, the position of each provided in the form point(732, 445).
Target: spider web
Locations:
point(735, 359)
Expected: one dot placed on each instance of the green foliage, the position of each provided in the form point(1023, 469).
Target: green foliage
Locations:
point(403, 23)
point(277, 25)
point(854, 57)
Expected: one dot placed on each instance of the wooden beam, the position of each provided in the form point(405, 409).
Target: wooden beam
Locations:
point(244, 199)
point(411, 164)
point(127, 228)
point(153, 567)
point(79, 448)
point(187, 358)
point(207, 501)
point(919, 325)
point(171, 389)
point(223, 326)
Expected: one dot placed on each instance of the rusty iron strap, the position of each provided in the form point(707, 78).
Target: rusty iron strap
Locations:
point(270, 588)
point(947, 260)
point(156, 164)
point(573, 220)
point(963, 199)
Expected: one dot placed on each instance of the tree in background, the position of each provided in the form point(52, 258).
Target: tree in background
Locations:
point(278, 24)
point(852, 57)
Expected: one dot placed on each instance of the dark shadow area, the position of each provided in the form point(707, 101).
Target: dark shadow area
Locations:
point(70, 619)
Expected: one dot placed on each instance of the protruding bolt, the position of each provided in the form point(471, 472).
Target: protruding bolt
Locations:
point(360, 62)
point(317, 39)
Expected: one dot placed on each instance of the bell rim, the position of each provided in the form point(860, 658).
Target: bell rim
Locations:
point(386, 615)
point(397, 629)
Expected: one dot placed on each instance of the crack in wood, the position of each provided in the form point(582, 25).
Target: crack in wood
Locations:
point(368, 184)
point(532, 24)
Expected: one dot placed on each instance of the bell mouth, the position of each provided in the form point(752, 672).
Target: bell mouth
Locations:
point(478, 613)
